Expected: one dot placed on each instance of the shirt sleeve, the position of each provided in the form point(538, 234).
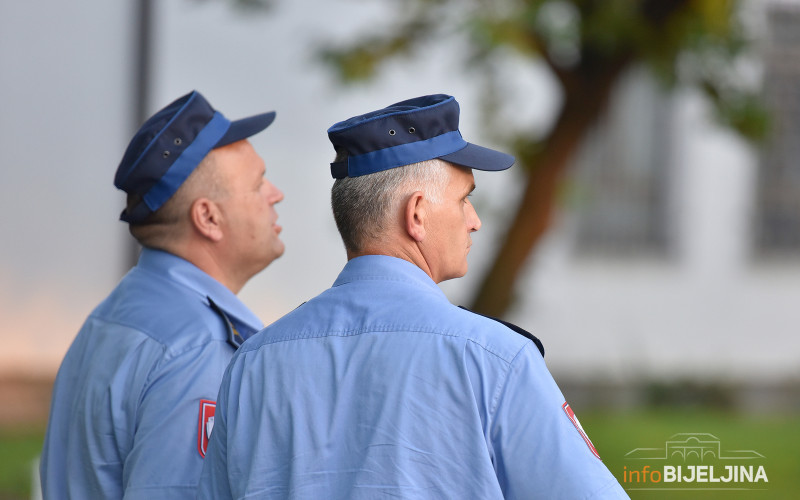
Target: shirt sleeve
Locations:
point(214, 483)
point(538, 450)
point(166, 458)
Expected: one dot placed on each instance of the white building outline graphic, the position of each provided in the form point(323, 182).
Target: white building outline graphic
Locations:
point(692, 446)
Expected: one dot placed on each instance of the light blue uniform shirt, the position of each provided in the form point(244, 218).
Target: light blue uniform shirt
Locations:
point(125, 419)
point(380, 388)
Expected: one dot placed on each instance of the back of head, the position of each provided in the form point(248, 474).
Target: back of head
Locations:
point(365, 207)
point(171, 222)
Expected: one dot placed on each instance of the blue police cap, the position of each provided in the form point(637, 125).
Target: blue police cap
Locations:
point(408, 132)
point(171, 144)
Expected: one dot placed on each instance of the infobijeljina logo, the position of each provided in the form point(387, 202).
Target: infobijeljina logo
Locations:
point(694, 461)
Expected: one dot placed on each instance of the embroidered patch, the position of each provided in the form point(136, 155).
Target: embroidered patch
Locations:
point(577, 424)
point(206, 424)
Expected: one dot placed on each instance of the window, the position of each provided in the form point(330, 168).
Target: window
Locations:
point(777, 225)
point(619, 182)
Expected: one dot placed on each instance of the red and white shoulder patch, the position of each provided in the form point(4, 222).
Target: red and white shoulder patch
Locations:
point(577, 424)
point(205, 425)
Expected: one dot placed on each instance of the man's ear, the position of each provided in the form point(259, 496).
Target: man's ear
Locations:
point(206, 218)
point(415, 216)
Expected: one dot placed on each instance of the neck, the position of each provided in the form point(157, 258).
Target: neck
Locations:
point(406, 250)
point(204, 255)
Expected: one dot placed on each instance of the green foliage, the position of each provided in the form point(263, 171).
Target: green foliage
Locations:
point(696, 42)
point(362, 62)
point(19, 447)
point(689, 394)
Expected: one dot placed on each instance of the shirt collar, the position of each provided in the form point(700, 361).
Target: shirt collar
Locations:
point(384, 267)
point(187, 274)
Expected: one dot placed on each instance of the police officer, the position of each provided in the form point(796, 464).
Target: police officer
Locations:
point(379, 387)
point(133, 402)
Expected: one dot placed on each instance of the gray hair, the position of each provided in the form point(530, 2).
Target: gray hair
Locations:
point(364, 206)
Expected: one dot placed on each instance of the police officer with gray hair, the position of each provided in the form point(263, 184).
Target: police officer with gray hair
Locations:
point(134, 400)
point(379, 387)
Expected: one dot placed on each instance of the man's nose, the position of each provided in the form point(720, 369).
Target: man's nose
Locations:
point(276, 195)
point(474, 221)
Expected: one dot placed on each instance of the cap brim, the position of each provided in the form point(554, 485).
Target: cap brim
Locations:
point(480, 158)
point(246, 127)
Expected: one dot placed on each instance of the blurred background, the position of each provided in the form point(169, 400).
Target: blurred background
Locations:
point(649, 233)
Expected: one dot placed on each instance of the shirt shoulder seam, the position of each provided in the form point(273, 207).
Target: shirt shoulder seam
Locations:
point(504, 381)
point(150, 334)
point(377, 328)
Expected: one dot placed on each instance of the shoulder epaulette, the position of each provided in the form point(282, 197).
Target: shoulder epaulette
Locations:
point(514, 327)
point(234, 338)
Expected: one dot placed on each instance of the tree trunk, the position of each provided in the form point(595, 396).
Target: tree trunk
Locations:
point(583, 105)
